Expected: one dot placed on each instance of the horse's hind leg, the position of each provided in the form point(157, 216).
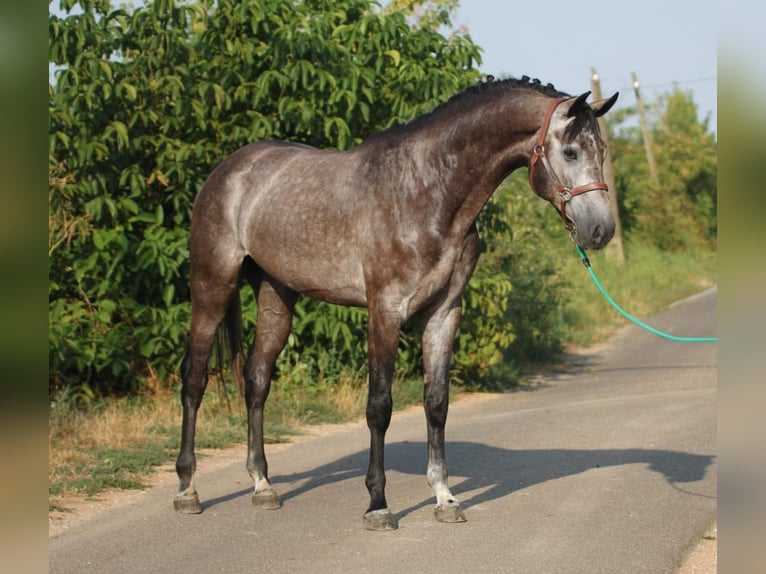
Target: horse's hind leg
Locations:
point(213, 285)
point(275, 313)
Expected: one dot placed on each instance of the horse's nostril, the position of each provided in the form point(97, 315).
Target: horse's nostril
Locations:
point(597, 233)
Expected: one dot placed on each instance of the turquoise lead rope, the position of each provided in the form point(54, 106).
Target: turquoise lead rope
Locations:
point(630, 317)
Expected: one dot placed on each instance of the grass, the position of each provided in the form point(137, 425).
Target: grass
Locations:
point(647, 283)
point(116, 443)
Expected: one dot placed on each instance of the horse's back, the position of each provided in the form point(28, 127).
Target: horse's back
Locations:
point(268, 172)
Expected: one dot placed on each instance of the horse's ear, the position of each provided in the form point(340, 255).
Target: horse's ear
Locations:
point(577, 104)
point(600, 107)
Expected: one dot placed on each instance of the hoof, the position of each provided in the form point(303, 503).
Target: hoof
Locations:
point(267, 499)
point(187, 503)
point(382, 519)
point(449, 513)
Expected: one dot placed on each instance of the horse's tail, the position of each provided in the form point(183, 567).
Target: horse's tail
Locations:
point(233, 321)
point(230, 335)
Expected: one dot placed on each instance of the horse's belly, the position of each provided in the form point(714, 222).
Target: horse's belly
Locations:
point(314, 269)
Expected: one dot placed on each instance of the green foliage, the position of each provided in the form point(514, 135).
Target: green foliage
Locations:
point(426, 13)
point(147, 101)
point(326, 341)
point(651, 280)
point(678, 212)
point(514, 305)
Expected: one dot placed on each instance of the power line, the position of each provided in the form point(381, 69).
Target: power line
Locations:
point(626, 87)
point(681, 83)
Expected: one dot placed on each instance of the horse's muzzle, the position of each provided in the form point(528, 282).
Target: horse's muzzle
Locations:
point(596, 236)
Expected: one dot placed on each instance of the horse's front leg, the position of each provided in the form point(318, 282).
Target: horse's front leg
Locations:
point(438, 337)
point(383, 341)
point(440, 323)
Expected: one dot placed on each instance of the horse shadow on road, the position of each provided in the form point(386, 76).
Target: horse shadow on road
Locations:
point(493, 472)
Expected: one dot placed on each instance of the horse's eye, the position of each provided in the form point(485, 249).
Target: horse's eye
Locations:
point(570, 153)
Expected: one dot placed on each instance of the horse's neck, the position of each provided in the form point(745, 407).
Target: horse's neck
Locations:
point(484, 147)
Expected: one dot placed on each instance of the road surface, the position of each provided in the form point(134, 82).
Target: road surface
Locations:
point(607, 465)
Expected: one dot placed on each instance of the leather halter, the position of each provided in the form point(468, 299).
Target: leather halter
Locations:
point(565, 194)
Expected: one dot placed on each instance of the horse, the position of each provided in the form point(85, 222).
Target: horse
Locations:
point(390, 226)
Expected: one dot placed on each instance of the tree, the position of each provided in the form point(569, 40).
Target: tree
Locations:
point(680, 212)
point(687, 154)
point(147, 101)
point(426, 13)
point(123, 175)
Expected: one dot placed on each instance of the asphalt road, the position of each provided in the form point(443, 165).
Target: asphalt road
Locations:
point(607, 465)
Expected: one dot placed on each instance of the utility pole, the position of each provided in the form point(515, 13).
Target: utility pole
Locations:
point(614, 249)
point(648, 142)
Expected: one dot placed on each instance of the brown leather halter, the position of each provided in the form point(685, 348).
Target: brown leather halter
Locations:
point(565, 194)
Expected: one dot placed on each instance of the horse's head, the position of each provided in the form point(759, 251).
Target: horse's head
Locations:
point(565, 168)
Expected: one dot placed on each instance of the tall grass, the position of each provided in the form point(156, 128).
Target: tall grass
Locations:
point(647, 283)
point(112, 443)
point(105, 443)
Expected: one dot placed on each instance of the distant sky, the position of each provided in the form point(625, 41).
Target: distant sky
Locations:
point(557, 41)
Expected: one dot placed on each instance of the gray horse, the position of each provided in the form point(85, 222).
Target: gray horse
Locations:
point(388, 225)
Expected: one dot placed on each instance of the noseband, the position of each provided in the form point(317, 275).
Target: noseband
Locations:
point(565, 194)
